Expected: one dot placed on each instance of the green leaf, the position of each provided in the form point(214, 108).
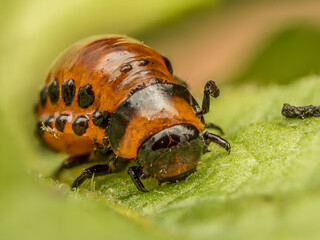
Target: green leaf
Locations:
point(267, 188)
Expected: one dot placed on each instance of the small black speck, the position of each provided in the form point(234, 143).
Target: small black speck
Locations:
point(53, 91)
point(85, 96)
point(43, 95)
point(68, 90)
point(61, 122)
point(80, 125)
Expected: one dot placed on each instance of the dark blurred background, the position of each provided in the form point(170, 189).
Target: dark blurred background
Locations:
point(232, 42)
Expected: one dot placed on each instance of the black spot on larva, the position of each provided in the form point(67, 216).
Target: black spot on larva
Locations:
point(156, 80)
point(137, 88)
point(39, 130)
point(85, 96)
point(43, 95)
point(143, 62)
point(125, 68)
point(49, 121)
point(68, 90)
point(105, 141)
point(80, 125)
point(53, 91)
point(61, 122)
point(168, 64)
point(101, 119)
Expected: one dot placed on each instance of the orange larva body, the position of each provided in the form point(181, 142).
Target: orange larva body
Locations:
point(98, 75)
point(112, 99)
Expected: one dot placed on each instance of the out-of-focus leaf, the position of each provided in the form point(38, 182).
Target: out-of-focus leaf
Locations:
point(288, 55)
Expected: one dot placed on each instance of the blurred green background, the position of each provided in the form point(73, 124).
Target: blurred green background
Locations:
point(261, 53)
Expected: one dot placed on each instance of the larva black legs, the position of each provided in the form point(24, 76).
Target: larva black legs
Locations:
point(300, 112)
point(101, 154)
point(210, 137)
point(210, 89)
point(213, 126)
point(135, 173)
point(97, 170)
point(71, 162)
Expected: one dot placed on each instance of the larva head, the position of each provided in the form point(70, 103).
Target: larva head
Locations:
point(171, 154)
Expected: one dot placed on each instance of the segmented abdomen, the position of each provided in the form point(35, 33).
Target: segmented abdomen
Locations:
point(86, 85)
